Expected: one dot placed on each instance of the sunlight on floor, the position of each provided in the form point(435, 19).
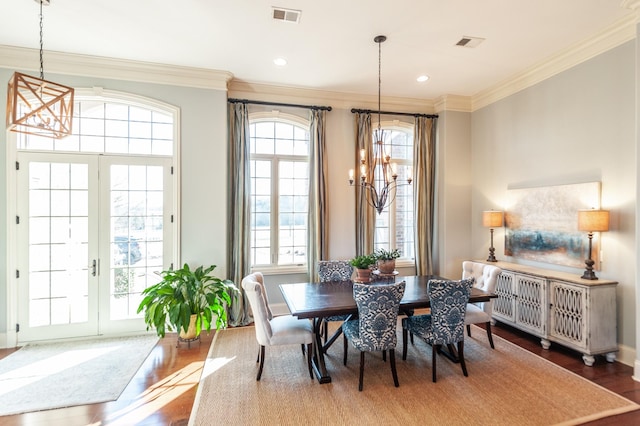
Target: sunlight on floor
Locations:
point(156, 396)
point(163, 392)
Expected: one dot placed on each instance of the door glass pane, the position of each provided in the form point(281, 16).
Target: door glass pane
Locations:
point(137, 206)
point(58, 243)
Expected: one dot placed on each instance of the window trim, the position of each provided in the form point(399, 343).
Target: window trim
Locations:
point(278, 116)
point(407, 127)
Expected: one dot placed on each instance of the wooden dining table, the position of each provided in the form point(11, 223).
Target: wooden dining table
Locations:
point(316, 301)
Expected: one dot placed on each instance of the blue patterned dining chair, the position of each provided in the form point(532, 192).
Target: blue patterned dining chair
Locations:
point(445, 324)
point(334, 271)
point(270, 330)
point(375, 328)
point(486, 278)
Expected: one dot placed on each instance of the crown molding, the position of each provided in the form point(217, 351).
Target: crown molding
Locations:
point(453, 103)
point(338, 100)
point(118, 69)
point(616, 34)
point(633, 5)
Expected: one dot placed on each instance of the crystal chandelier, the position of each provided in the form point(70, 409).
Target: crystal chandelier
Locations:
point(378, 177)
point(37, 106)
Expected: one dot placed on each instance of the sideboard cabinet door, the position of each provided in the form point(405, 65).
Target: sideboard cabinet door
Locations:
point(567, 307)
point(504, 307)
point(531, 304)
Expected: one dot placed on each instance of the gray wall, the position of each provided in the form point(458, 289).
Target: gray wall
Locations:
point(578, 126)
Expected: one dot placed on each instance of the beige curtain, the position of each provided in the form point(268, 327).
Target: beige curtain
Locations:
point(238, 202)
point(317, 227)
point(365, 214)
point(424, 165)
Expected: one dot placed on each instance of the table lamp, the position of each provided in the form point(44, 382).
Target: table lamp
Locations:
point(492, 219)
point(592, 221)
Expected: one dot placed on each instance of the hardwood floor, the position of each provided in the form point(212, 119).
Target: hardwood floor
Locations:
point(163, 390)
point(161, 393)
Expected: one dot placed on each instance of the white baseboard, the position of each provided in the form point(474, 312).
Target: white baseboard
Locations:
point(627, 356)
point(636, 371)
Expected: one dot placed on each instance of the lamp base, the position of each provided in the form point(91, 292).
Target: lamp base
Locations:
point(588, 272)
point(492, 257)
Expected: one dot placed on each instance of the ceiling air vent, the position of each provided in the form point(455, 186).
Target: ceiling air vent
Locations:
point(469, 41)
point(286, 15)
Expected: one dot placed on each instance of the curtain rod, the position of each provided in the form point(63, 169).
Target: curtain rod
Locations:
point(247, 101)
point(412, 114)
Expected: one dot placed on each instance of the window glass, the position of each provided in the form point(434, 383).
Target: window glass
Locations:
point(279, 192)
point(110, 128)
point(394, 226)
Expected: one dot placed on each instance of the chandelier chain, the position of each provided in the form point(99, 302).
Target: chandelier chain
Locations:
point(379, 78)
point(41, 43)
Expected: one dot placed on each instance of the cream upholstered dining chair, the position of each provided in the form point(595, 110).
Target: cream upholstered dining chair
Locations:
point(445, 324)
point(333, 271)
point(375, 328)
point(486, 278)
point(270, 330)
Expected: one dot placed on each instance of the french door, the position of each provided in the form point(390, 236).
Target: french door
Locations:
point(93, 231)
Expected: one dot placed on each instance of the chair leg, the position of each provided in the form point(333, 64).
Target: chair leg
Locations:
point(302, 344)
point(392, 361)
point(404, 343)
point(258, 357)
point(488, 325)
point(461, 358)
point(344, 356)
point(261, 363)
point(469, 330)
point(384, 356)
point(361, 370)
point(434, 351)
point(325, 330)
point(309, 352)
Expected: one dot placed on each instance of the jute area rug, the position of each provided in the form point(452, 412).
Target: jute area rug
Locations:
point(54, 375)
point(506, 386)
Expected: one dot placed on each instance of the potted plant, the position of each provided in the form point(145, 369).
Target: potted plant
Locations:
point(363, 264)
point(386, 260)
point(188, 301)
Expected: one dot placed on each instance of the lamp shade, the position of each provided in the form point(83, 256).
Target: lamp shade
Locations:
point(593, 220)
point(492, 219)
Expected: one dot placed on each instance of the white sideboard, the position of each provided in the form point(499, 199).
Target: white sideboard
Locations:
point(559, 307)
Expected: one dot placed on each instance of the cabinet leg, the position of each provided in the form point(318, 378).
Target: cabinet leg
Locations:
point(588, 360)
point(611, 356)
point(546, 344)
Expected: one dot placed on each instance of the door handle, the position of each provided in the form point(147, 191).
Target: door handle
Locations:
point(94, 267)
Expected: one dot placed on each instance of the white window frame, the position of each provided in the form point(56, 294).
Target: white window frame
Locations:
point(274, 268)
point(405, 127)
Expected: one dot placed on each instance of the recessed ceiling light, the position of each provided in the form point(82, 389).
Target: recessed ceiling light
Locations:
point(422, 78)
point(281, 62)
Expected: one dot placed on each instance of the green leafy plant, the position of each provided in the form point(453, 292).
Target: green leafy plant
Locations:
point(363, 261)
point(183, 292)
point(382, 254)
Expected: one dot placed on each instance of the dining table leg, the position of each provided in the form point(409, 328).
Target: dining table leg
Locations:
point(319, 367)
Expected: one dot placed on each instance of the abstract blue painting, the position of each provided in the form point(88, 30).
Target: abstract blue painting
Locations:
point(542, 224)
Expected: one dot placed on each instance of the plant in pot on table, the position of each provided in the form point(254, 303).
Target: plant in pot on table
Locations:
point(187, 300)
point(363, 264)
point(386, 260)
